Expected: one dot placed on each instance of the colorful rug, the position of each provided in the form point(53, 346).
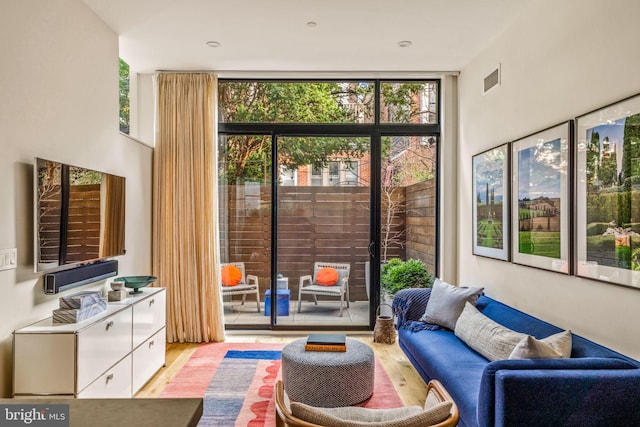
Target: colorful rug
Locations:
point(237, 382)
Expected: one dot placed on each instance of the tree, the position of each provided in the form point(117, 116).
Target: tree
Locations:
point(248, 156)
point(124, 97)
point(284, 102)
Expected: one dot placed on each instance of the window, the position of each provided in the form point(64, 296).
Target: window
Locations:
point(124, 97)
point(336, 173)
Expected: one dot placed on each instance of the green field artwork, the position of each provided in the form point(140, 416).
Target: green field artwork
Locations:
point(613, 193)
point(489, 173)
point(540, 171)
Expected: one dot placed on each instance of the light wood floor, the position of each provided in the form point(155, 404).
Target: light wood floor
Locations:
point(406, 380)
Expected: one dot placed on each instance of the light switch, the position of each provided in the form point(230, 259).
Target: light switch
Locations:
point(8, 258)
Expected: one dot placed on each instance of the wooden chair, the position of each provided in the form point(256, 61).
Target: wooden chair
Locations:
point(248, 285)
point(436, 393)
point(341, 289)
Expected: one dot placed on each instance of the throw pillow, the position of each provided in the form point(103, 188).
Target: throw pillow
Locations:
point(554, 346)
point(231, 275)
point(355, 416)
point(531, 348)
point(446, 303)
point(489, 338)
point(560, 342)
point(327, 276)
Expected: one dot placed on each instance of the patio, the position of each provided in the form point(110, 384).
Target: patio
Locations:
point(326, 313)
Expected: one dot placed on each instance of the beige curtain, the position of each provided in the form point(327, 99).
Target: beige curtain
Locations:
point(185, 207)
point(112, 233)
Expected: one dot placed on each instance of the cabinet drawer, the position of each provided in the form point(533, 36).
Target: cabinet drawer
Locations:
point(148, 358)
point(102, 345)
point(148, 317)
point(114, 383)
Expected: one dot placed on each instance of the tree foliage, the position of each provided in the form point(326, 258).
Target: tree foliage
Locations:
point(124, 97)
point(248, 156)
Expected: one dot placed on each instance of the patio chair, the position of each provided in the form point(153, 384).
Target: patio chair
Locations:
point(308, 285)
point(439, 411)
point(248, 285)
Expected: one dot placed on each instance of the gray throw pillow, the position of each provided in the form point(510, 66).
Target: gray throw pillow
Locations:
point(447, 302)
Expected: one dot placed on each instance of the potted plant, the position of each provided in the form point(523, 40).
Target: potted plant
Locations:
point(397, 274)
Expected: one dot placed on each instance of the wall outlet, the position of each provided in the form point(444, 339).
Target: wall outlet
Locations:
point(8, 258)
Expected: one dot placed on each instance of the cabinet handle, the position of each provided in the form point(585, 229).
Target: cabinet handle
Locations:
point(153, 301)
point(152, 343)
point(109, 378)
point(109, 324)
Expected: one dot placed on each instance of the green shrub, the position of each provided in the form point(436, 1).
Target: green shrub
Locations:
point(397, 274)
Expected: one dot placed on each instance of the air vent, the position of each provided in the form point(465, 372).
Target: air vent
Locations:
point(492, 80)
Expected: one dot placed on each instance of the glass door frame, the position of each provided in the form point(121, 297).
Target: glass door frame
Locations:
point(374, 131)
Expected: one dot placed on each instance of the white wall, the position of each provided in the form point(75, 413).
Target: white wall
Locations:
point(59, 89)
point(560, 60)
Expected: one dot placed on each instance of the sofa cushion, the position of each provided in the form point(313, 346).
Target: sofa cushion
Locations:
point(447, 302)
point(434, 353)
point(489, 338)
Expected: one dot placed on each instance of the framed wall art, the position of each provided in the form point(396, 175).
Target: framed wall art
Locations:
point(540, 199)
point(608, 193)
point(490, 203)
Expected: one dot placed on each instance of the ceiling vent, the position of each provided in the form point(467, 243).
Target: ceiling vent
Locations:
point(492, 80)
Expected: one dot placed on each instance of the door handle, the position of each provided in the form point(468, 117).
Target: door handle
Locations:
point(370, 248)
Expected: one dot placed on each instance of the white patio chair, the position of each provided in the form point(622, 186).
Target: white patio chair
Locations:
point(248, 285)
point(341, 289)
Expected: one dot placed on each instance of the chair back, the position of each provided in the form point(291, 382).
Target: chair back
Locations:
point(435, 393)
point(240, 266)
point(343, 270)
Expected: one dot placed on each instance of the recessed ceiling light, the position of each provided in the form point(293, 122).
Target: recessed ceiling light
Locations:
point(404, 43)
point(213, 43)
point(312, 24)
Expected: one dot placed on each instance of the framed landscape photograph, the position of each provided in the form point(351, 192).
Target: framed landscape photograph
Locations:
point(540, 207)
point(490, 204)
point(608, 193)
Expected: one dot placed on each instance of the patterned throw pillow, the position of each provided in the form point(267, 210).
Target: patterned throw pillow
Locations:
point(327, 276)
point(231, 275)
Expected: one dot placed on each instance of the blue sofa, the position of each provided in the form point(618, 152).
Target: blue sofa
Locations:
point(595, 387)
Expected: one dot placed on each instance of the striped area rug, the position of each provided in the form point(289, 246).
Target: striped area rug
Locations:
point(237, 382)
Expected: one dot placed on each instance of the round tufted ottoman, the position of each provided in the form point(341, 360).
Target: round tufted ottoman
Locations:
point(328, 379)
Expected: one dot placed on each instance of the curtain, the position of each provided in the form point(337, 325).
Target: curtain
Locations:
point(185, 211)
point(112, 233)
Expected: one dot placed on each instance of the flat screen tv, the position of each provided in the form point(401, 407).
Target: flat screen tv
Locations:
point(79, 216)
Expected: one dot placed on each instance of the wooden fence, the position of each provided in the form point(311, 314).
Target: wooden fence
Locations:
point(317, 224)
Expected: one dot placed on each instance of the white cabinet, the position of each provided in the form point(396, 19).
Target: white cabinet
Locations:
point(112, 354)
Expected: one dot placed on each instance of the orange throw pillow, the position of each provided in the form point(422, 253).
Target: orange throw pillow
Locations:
point(231, 275)
point(327, 276)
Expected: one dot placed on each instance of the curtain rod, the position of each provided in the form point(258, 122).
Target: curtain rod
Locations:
point(318, 74)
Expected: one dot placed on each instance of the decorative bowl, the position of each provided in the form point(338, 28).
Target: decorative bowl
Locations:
point(136, 282)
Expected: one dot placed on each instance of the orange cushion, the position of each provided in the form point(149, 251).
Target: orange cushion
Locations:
point(327, 276)
point(231, 275)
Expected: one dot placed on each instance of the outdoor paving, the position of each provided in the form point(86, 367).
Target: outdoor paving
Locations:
point(326, 313)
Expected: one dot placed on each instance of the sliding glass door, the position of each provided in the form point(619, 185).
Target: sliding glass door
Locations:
point(331, 175)
point(323, 226)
